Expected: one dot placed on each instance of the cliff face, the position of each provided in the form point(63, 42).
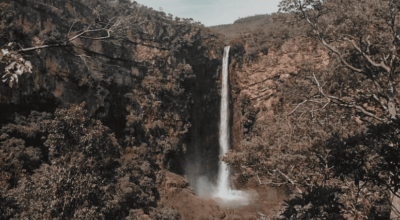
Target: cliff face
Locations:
point(255, 82)
point(158, 70)
point(153, 82)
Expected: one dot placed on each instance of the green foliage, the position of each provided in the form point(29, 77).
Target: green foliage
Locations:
point(80, 171)
point(363, 35)
point(294, 151)
point(371, 157)
point(73, 135)
point(159, 114)
point(248, 114)
point(316, 203)
point(165, 213)
point(79, 181)
point(323, 149)
point(17, 160)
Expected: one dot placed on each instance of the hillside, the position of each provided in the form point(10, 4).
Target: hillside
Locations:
point(111, 110)
point(242, 26)
point(99, 106)
point(308, 115)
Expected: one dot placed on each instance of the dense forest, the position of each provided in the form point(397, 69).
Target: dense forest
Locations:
point(101, 102)
point(333, 137)
point(96, 104)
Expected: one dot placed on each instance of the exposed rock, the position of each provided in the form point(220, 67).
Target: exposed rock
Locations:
point(154, 85)
point(258, 79)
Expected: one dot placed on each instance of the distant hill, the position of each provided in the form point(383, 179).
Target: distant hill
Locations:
point(243, 25)
point(263, 19)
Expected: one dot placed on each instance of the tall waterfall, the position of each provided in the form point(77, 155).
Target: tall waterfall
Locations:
point(223, 190)
point(223, 174)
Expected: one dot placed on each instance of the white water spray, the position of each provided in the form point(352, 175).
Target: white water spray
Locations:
point(223, 191)
point(223, 174)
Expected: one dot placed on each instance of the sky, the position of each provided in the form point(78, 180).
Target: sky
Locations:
point(213, 12)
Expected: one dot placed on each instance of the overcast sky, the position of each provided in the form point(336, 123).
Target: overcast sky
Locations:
point(213, 12)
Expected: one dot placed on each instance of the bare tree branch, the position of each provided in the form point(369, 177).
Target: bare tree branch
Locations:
point(108, 28)
point(378, 100)
point(375, 64)
point(344, 104)
point(71, 28)
point(297, 107)
point(391, 108)
point(331, 48)
point(340, 102)
point(40, 47)
point(291, 181)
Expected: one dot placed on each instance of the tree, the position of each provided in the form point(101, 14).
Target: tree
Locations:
point(16, 65)
point(109, 22)
point(299, 148)
point(67, 165)
point(79, 181)
point(364, 35)
point(161, 118)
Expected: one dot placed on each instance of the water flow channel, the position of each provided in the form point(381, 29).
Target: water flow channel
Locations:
point(223, 190)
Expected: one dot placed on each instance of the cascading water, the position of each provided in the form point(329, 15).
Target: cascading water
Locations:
point(223, 174)
point(223, 190)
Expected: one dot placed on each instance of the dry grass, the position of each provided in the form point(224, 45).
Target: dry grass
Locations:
point(242, 26)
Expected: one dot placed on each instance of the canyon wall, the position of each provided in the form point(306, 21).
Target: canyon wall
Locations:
point(255, 82)
point(153, 82)
point(159, 70)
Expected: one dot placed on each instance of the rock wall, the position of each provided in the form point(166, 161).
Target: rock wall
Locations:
point(254, 82)
point(156, 81)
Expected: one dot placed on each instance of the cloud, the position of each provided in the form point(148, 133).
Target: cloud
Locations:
point(213, 12)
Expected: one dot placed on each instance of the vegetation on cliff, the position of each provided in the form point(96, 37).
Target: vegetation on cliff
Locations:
point(328, 132)
point(333, 135)
point(96, 107)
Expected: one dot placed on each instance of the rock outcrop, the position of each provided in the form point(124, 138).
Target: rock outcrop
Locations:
point(254, 82)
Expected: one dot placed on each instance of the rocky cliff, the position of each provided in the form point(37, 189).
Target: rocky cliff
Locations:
point(255, 82)
point(157, 70)
point(152, 80)
point(137, 95)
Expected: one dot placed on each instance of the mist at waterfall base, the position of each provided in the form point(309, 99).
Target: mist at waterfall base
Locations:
point(222, 192)
point(225, 199)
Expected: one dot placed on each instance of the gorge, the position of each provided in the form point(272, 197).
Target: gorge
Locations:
point(114, 110)
point(148, 96)
point(153, 84)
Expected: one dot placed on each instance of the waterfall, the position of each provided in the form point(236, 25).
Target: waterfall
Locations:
point(223, 174)
point(223, 189)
